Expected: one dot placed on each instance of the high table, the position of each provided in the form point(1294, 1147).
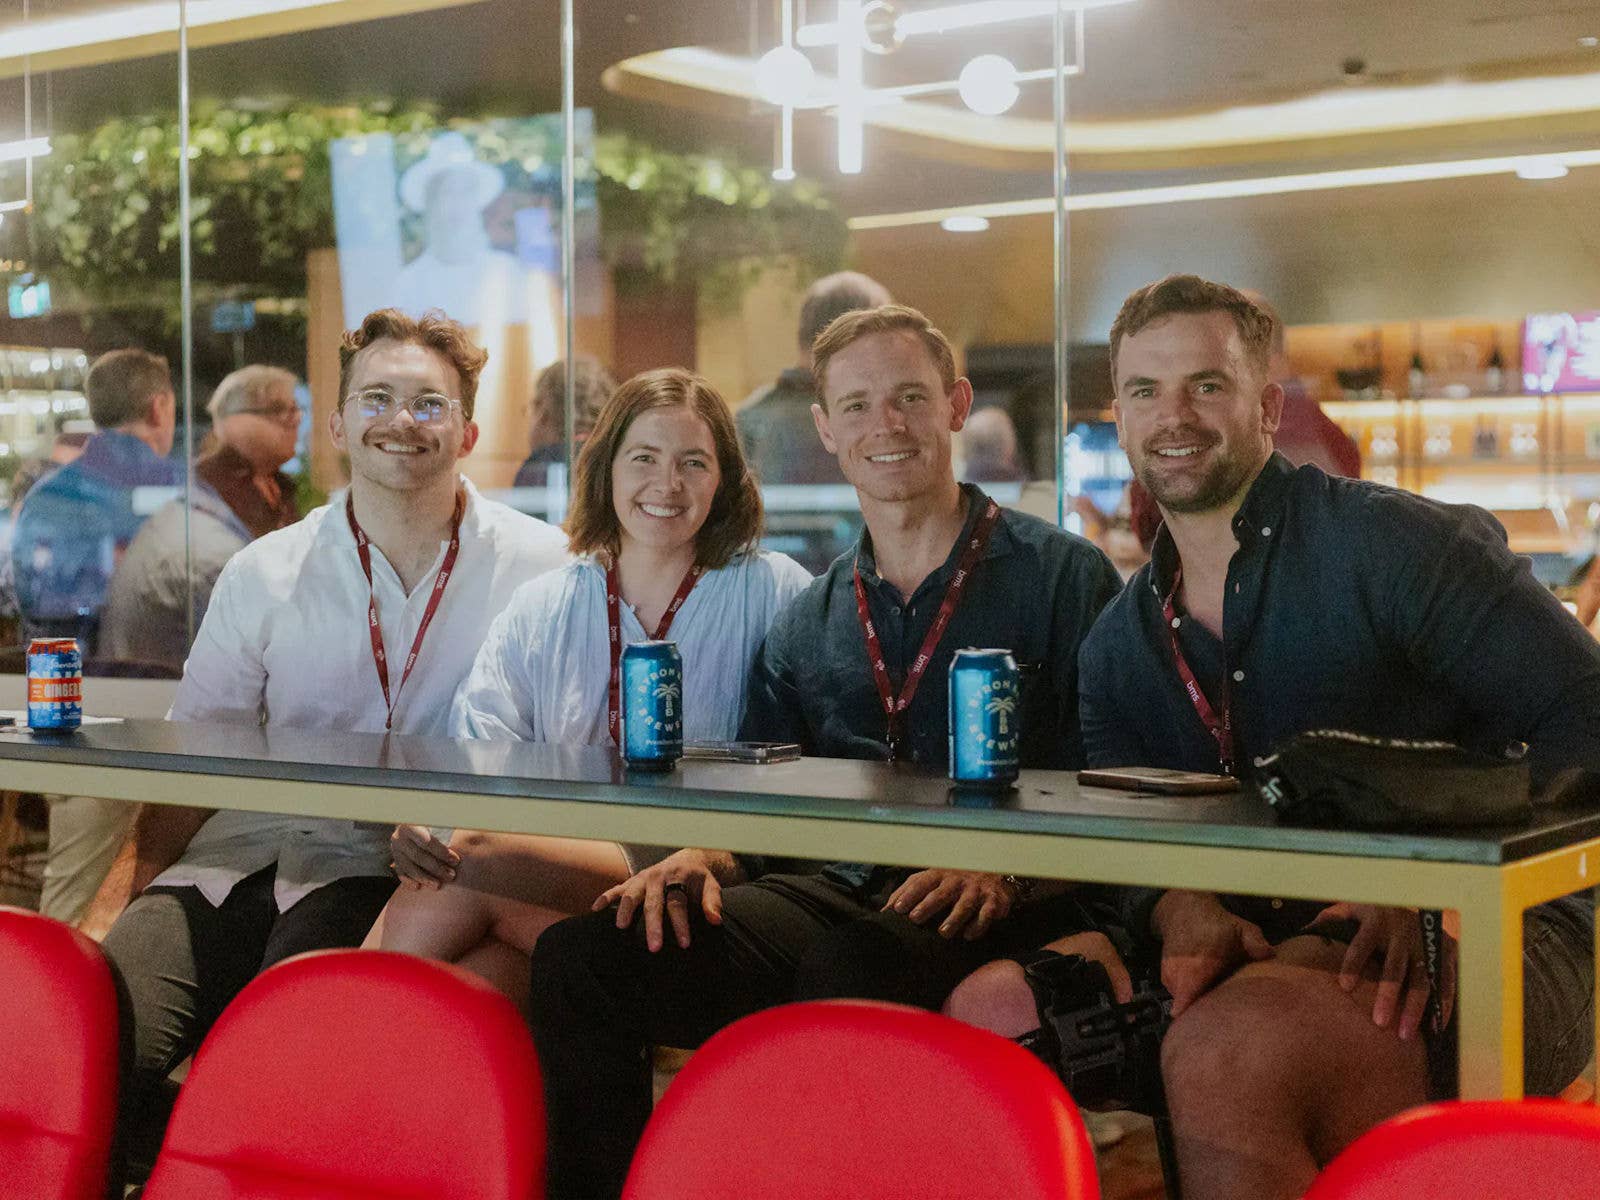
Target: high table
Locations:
point(1048, 826)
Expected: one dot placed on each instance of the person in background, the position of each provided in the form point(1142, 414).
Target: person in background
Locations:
point(940, 566)
point(77, 521)
point(989, 448)
point(592, 386)
point(664, 512)
point(239, 495)
point(29, 471)
point(1306, 434)
point(774, 422)
point(1280, 600)
point(308, 627)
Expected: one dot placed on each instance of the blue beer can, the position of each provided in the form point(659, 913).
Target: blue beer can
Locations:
point(55, 684)
point(985, 718)
point(652, 705)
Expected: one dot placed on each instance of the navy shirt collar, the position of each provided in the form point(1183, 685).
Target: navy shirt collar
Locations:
point(1262, 509)
point(977, 500)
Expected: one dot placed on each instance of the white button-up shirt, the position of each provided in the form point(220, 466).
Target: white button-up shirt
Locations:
point(544, 672)
point(285, 642)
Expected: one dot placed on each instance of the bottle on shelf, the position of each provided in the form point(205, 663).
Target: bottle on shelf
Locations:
point(1417, 376)
point(1494, 374)
point(1485, 439)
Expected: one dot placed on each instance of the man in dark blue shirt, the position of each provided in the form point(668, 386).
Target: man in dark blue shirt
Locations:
point(1280, 600)
point(76, 523)
point(601, 992)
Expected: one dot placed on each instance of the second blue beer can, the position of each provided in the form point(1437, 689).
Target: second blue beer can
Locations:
point(985, 718)
point(652, 705)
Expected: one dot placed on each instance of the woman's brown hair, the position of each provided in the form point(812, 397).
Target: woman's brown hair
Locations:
point(734, 522)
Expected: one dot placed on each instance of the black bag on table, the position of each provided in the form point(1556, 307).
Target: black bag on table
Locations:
point(1352, 781)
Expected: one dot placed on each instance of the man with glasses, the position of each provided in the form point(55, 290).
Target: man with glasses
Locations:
point(363, 617)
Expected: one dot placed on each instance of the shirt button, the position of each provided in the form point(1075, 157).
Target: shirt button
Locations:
point(1276, 903)
point(1238, 676)
point(1236, 589)
point(1266, 531)
point(894, 610)
point(1177, 621)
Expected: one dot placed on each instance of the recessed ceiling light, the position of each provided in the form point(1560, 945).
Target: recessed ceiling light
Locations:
point(1542, 168)
point(964, 223)
point(1589, 43)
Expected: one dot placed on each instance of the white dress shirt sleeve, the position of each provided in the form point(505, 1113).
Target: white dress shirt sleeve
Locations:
point(225, 677)
point(499, 699)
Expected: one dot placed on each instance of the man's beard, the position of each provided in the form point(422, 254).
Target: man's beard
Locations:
point(1229, 474)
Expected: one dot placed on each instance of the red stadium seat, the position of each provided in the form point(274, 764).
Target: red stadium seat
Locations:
point(363, 1074)
point(1528, 1149)
point(58, 1060)
point(845, 1099)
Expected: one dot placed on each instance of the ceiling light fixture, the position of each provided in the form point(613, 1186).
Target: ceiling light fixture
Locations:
point(852, 87)
point(964, 224)
point(988, 85)
point(38, 147)
point(785, 76)
point(1589, 43)
point(951, 17)
point(788, 80)
point(1233, 189)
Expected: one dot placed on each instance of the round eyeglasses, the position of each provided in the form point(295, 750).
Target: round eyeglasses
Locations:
point(426, 408)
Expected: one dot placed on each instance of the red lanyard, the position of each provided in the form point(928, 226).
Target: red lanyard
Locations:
point(364, 550)
point(894, 705)
point(1220, 729)
point(614, 620)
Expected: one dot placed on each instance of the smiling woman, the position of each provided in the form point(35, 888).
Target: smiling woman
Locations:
point(665, 441)
point(664, 522)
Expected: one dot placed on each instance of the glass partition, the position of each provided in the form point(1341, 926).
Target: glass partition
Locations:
point(1414, 204)
point(90, 240)
point(747, 153)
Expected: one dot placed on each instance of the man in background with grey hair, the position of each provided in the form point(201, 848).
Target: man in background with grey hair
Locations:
point(780, 440)
point(239, 494)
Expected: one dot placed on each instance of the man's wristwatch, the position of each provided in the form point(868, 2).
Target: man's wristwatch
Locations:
point(1022, 887)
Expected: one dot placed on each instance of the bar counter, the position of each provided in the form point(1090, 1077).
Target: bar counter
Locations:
point(837, 809)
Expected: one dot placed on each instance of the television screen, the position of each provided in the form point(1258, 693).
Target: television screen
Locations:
point(1561, 352)
point(464, 220)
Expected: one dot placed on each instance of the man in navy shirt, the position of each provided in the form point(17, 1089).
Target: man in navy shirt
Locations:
point(1291, 600)
point(721, 939)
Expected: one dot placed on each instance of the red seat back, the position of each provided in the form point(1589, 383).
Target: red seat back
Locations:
point(1529, 1149)
point(58, 1060)
point(359, 1073)
point(847, 1099)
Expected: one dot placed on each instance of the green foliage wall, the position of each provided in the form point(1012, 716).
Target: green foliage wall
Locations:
point(106, 220)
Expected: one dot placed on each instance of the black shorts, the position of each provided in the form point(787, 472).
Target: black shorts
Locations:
point(1557, 982)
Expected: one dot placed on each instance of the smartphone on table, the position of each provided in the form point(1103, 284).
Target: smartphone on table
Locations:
point(759, 753)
